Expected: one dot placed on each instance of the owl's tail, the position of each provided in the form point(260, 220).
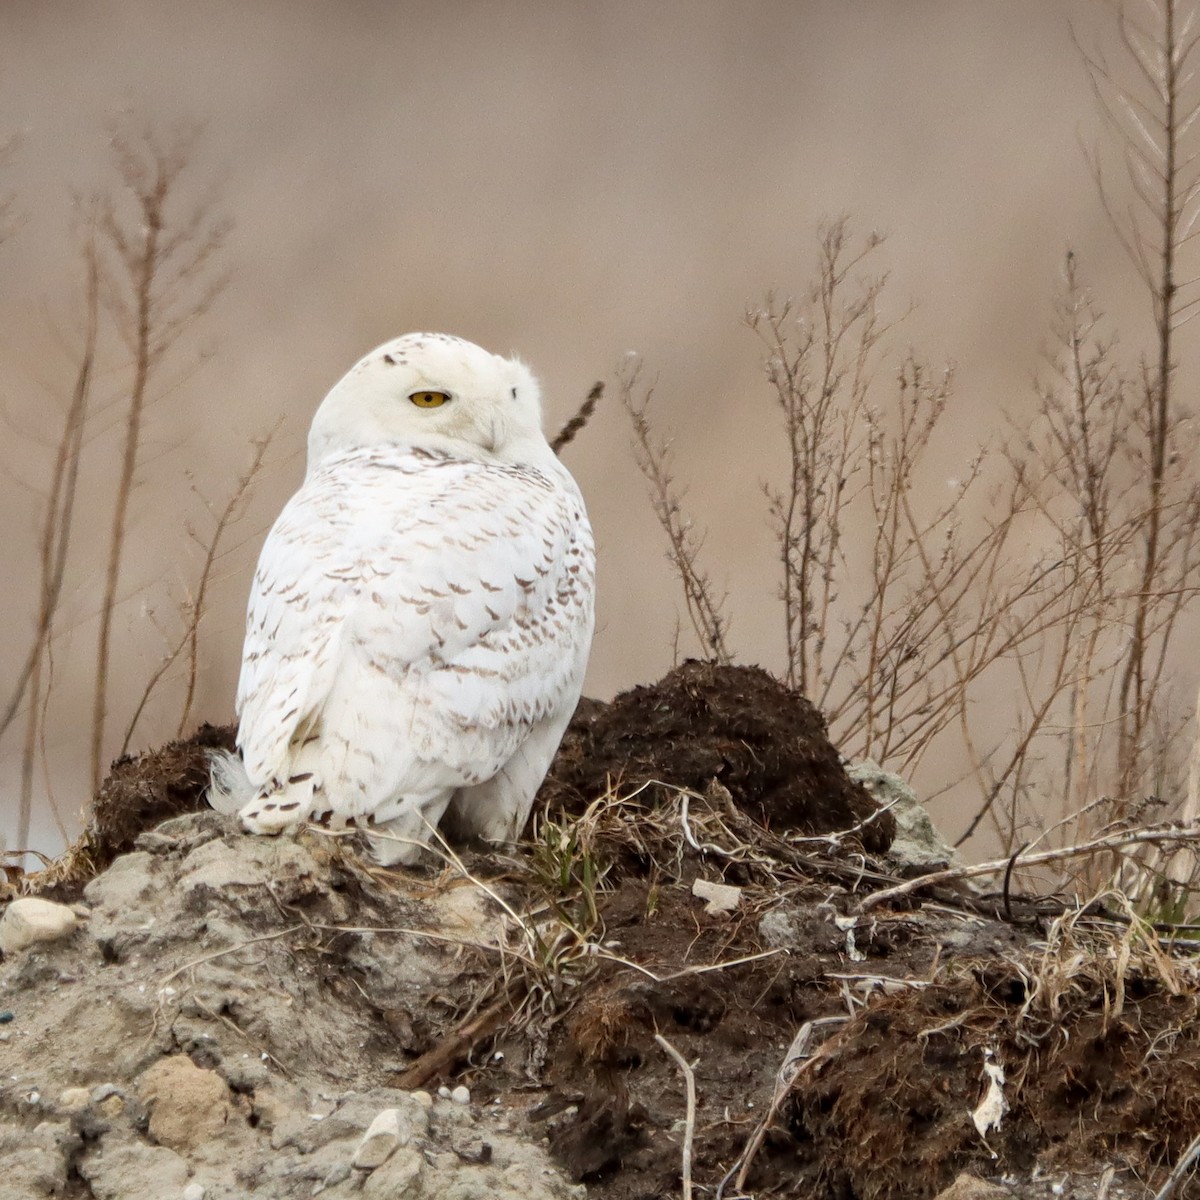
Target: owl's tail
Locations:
point(229, 787)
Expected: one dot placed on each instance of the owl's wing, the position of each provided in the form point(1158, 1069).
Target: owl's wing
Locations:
point(448, 600)
point(302, 593)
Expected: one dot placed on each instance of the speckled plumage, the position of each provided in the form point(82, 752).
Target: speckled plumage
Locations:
point(422, 611)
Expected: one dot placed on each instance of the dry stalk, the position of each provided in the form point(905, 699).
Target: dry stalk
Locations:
point(1150, 835)
point(689, 1131)
point(195, 608)
point(1180, 1170)
point(1149, 109)
point(157, 283)
point(204, 958)
point(796, 1062)
point(55, 541)
point(653, 456)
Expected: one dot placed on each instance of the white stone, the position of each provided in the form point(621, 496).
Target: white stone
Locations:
point(193, 1191)
point(719, 897)
point(73, 1099)
point(461, 1095)
point(384, 1135)
point(30, 920)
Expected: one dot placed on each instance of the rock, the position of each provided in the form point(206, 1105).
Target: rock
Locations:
point(188, 1105)
point(125, 1169)
point(35, 1161)
point(193, 1191)
point(778, 928)
point(398, 1178)
point(338, 1173)
point(917, 847)
point(30, 920)
point(73, 1099)
point(386, 1134)
point(720, 897)
point(461, 1095)
point(124, 885)
point(350, 1119)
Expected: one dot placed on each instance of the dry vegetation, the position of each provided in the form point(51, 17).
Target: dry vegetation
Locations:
point(149, 274)
point(1061, 573)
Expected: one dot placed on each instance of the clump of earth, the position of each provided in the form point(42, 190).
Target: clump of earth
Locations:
point(233, 1016)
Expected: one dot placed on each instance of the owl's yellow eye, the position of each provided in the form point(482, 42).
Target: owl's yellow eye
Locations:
point(429, 399)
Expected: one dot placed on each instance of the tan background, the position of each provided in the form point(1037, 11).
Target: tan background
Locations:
point(566, 180)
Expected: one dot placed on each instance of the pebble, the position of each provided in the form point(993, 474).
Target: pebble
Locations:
point(384, 1135)
point(73, 1099)
point(31, 920)
point(6, 1016)
point(461, 1095)
point(444, 1092)
point(424, 1099)
point(193, 1191)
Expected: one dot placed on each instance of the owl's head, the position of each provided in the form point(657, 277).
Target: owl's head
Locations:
point(438, 392)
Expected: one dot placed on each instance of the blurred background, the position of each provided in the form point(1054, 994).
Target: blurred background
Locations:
point(569, 182)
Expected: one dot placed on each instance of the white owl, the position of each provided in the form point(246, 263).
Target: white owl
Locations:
point(422, 612)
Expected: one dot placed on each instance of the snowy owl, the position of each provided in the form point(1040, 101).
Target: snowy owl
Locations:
point(422, 611)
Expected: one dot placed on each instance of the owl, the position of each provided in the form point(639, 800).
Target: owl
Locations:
point(422, 612)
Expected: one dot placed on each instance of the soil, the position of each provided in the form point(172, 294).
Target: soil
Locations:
point(767, 745)
point(332, 978)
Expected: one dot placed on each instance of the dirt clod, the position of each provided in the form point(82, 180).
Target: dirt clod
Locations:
point(766, 744)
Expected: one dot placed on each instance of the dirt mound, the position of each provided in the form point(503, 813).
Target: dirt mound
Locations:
point(738, 725)
point(140, 791)
point(1091, 1078)
point(281, 1018)
point(238, 1014)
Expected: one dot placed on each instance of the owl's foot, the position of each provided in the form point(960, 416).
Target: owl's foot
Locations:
point(400, 838)
point(285, 808)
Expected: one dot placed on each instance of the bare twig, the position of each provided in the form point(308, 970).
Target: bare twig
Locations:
point(1150, 835)
point(56, 536)
point(435, 1063)
point(1180, 1170)
point(157, 284)
point(654, 461)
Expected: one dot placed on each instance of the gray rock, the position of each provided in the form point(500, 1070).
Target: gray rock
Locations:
point(124, 885)
point(399, 1178)
point(917, 846)
point(778, 929)
point(34, 1162)
point(127, 1169)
